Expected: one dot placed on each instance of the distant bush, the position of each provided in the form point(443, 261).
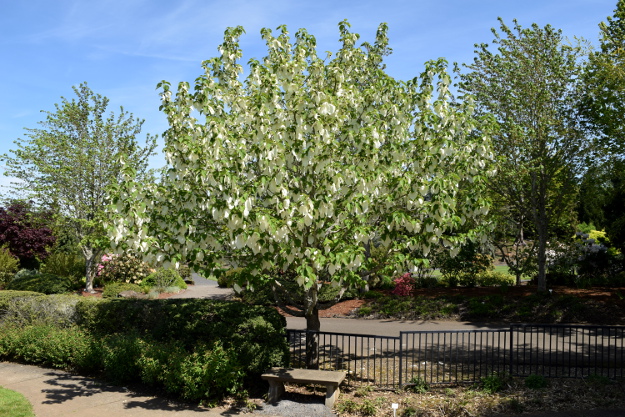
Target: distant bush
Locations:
point(68, 265)
point(404, 285)
point(9, 265)
point(185, 272)
point(227, 280)
point(492, 278)
point(30, 280)
point(113, 289)
point(164, 278)
point(464, 267)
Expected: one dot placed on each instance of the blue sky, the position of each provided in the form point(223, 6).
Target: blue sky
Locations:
point(123, 48)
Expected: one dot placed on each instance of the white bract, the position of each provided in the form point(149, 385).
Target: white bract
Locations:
point(306, 163)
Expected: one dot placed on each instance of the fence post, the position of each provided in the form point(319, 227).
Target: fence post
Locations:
point(401, 356)
point(511, 347)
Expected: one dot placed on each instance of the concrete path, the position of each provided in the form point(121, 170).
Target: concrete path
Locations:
point(55, 393)
point(388, 327)
point(204, 288)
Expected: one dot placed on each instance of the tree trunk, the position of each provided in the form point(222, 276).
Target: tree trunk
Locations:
point(313, 325)
point(542, 257)
point(542, 230)
point(90, 260)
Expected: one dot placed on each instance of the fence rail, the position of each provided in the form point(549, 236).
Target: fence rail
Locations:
point(459, 356)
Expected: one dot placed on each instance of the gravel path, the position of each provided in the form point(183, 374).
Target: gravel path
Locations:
point(290, 408)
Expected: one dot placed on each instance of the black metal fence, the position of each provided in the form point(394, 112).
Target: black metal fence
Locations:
point(459, 356)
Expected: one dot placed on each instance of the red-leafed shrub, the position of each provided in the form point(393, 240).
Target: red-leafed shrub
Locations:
point(25, 233)
point(404, 285)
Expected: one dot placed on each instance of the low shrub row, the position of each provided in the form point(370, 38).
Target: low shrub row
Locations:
point(31, 280)
point(196, 349)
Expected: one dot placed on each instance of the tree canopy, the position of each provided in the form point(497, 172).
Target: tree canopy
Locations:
point(305, 164)
point(603, 103)
point(70, 163)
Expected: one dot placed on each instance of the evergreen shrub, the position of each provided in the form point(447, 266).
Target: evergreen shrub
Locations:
point(491, 278)
point(113, 289)
point(164, 278)
point(63, 264)
point(26, 310)
point(9, 265)
point(198, 350)
point(31, 280)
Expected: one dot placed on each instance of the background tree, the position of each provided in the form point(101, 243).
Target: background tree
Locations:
point(603, 103)
point(603, 109)
point(26, 232)
point(72, 160)
point(531, 84)
point(305, 163)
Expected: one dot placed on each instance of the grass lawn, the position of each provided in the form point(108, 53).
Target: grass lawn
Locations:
point(13, 404)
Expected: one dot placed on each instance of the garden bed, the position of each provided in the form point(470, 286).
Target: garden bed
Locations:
point(513, 304)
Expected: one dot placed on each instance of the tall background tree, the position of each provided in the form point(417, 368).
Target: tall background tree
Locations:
point(603, 103)
point(531, 84)
point(603, 109)
point(306, 164)
point(70, 162)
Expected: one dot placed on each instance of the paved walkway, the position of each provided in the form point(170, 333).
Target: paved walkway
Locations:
point(204, 288)
point(55, 393)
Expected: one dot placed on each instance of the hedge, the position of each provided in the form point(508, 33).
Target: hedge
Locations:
point(256, 332)
point(196, 349)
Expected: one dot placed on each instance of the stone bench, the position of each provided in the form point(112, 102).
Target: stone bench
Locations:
point(278, 376)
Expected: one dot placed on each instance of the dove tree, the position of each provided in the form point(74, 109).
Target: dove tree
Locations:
point(305, 163)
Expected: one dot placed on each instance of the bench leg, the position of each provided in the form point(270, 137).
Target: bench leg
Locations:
point(332, 394)
point(276, 389)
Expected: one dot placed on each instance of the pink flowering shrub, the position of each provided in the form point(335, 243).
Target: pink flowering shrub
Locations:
point(122, 268)
point(105, 258)
point(404, 285)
